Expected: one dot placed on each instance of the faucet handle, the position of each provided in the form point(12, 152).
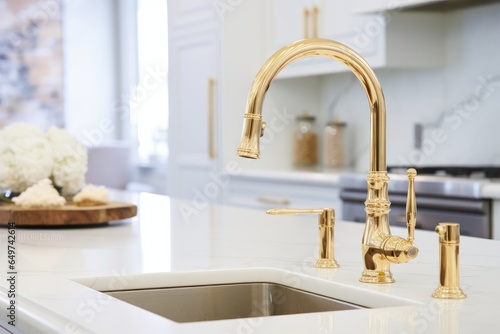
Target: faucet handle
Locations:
point(411, 204)
point(326, 222)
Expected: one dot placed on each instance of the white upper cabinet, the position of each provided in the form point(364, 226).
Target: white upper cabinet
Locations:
point(390, 39)
point(192, 138)
point(193, 89)
point(385, 5)
point(188, 12)
point(290, 21)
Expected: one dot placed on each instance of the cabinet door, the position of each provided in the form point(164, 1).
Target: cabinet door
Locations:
point(187, 12)
point(299, 19)
point(330, 19)
point(365, 6)
point(289, 21)
point(337, 18)
point(192, 137)
point(340, 22)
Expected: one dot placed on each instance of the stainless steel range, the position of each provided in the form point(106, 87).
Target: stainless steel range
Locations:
point(444, 194)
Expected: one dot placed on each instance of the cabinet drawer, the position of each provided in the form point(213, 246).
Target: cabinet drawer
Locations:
point(266, 194)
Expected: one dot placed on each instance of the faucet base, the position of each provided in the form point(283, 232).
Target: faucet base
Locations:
point(326, 263)
point(375, 276)
point(444, 292)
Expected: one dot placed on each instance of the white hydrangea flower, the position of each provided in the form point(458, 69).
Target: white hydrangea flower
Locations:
point(42, 194)
point(25, 157)
point(91, 195)
point(70, 160)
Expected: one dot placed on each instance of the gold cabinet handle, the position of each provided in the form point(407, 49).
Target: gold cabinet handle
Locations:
point(267, 200)
point(314, 15)
point(211, 121)
point(326, 222)
point(306, 23)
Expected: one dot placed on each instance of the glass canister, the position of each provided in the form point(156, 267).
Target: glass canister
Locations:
point(333, 144)
point(305, 141)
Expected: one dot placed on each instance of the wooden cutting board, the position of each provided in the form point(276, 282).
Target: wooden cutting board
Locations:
point(67, 215)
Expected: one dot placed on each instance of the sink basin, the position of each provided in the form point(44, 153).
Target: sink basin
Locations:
point(229, 301)
point(237, 293)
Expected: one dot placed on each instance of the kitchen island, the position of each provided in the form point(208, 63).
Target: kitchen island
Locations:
point(172, 243)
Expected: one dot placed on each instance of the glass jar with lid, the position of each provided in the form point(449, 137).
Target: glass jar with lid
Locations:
point(305, 141)
point(333, 144)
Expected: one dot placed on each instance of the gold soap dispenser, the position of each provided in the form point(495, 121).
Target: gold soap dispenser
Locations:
point(449, 244)
point(326, 224)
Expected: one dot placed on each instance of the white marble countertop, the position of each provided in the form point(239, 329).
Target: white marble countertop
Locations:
point(217, 244)
point(491, 189)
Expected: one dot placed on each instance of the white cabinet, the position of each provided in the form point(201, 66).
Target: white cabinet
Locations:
point(384, 5)
point(385, 40)
point(193, 100)
point(186, 13)
point(290, 21)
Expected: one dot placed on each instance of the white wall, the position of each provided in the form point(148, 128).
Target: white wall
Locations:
point(469, 132)
point(90, 77)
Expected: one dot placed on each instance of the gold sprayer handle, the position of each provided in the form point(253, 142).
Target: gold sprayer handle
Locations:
point(326, 222)
point(411, 205)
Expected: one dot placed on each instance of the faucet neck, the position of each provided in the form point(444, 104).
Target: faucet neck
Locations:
point(331, 49)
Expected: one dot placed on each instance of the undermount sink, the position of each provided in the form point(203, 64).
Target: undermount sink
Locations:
point(237, 293)
point(229, 301)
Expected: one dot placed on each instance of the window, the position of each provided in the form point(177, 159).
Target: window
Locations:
point(149, 111)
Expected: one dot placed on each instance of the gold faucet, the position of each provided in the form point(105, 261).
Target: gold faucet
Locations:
point(379, 247)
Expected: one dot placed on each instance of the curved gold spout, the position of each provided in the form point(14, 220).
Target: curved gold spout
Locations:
point(249, 146)
point(379, 247)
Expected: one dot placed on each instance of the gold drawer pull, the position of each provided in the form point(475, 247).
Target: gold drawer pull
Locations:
point(315, 11)
point(306, 23)
point(211, 121)
point(273, 201)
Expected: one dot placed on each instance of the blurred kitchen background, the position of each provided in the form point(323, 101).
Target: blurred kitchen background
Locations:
point(99, 68)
